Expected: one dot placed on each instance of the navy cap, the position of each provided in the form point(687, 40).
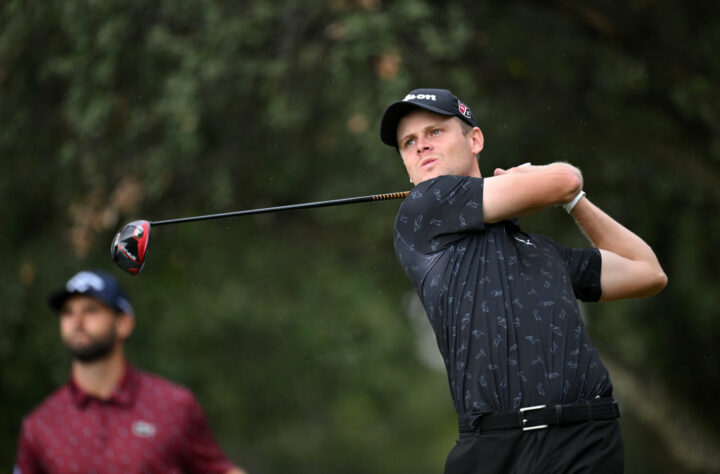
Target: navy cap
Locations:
point(440, 101)
point(98, 285)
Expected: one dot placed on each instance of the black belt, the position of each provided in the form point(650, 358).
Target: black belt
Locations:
point(542, 416)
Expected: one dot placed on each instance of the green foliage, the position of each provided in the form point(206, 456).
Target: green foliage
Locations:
point(291, 328)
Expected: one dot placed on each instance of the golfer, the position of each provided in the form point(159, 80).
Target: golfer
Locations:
point(110, 417)
point(530, 390)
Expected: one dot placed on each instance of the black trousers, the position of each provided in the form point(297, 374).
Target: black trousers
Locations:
point(593, 447)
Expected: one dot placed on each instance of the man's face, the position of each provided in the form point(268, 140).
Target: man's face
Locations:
point(433, 145)
point(88, 328)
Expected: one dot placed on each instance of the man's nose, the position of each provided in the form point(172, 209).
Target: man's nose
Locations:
point(75, 318)
point(422, 145)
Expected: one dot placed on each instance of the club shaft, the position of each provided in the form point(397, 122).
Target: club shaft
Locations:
point(290, 207)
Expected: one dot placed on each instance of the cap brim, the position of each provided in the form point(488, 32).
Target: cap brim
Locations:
point(58, 298)
point(395, 113)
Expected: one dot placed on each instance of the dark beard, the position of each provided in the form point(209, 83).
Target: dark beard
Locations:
point(94, 351)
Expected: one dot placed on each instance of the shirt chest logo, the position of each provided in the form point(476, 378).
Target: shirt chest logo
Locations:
point(143, 429)
point(526, 242)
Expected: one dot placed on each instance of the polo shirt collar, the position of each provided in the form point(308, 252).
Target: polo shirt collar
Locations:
point(124, 394)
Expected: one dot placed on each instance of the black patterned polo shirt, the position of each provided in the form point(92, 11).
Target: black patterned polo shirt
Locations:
point(503, 303)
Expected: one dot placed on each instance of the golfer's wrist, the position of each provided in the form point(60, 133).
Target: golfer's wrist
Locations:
point(569, 206)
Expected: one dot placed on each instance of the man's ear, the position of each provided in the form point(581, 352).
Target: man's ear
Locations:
point(125, 325)
point(477, 140)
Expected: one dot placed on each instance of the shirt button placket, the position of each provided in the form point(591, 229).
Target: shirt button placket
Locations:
point(102, 418)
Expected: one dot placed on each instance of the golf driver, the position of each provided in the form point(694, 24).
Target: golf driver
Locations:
point(129, 248)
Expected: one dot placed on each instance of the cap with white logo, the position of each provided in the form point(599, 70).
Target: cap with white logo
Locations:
point(98, 285)
point(440, 101)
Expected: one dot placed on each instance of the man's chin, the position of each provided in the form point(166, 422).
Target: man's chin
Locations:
point(426, 176)
point(90, 352)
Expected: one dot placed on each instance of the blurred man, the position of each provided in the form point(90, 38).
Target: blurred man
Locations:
point(530, 390)
point(110, 417)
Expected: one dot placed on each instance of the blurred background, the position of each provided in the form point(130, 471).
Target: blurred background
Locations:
point(298, 332)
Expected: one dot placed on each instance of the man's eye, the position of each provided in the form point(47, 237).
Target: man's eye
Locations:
point(436, 131)
point(410, 142)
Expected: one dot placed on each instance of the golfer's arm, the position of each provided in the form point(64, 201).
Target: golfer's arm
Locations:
point(630, 268)
point(526, 190)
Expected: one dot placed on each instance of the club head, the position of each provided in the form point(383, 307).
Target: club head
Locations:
point(130, 246)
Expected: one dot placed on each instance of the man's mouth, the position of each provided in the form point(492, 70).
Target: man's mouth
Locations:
point(427, 161)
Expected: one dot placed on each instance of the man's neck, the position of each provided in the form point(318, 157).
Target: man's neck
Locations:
point(100, 378)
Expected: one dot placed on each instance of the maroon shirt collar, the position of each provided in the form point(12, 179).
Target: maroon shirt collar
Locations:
point(123, 395)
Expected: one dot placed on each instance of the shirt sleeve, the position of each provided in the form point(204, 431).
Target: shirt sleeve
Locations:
point(438, 211)
point(202, 453)
point(27, 460)
point(584, 266)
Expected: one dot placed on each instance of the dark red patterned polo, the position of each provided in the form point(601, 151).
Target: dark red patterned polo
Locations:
point(149, 425)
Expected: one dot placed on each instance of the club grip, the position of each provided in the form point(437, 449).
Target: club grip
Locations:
point(390, 196)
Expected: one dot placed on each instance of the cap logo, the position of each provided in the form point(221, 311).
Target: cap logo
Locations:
point(464, 109)
point(84, 281)
point(420, 97)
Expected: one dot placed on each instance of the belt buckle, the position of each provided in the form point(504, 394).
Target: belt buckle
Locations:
point(524, 419)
